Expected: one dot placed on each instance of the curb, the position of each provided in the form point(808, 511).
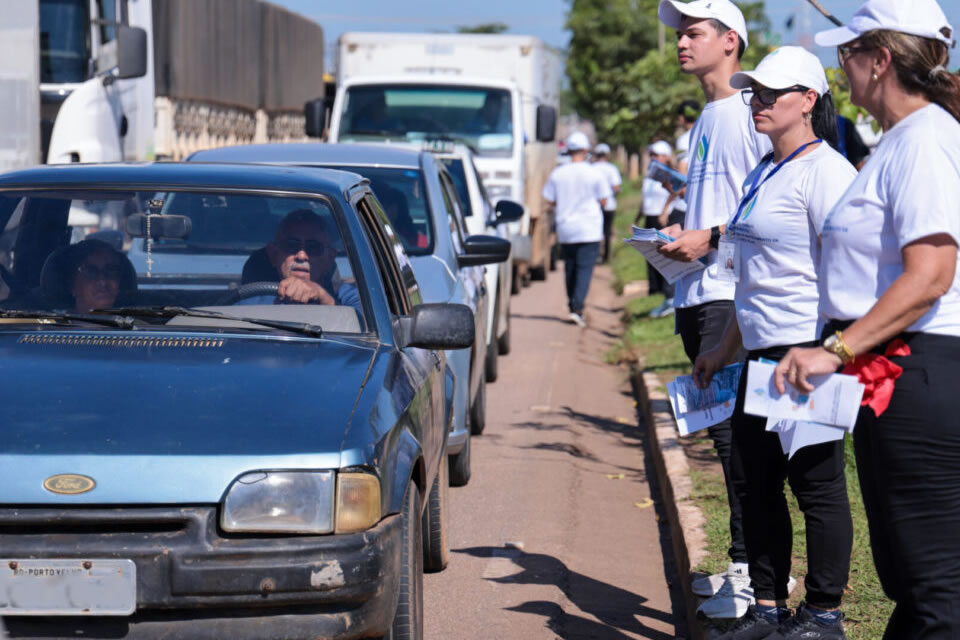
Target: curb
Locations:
point(686, 520)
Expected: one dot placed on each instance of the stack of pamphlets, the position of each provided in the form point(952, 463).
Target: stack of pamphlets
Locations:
point(696, 408)
point(646, 242)
point(664, 174)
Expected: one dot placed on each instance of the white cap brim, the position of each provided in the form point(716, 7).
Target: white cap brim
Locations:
point(835, 37)
point(669, 14)
point(743, 80)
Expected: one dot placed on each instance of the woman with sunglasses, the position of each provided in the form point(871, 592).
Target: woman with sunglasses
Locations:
point(890, 292)
point(98, 276)
point(770, 248)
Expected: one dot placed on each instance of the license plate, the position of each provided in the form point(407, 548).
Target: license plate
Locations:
point(67, 587)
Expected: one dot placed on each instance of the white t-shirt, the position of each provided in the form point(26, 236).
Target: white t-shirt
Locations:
point(683, 155)
point(908, 189)
point(577, 189)
point(724, 147)
point(613, 178)
point(654, 197)
point(778, 244)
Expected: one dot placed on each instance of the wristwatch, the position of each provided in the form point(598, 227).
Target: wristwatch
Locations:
point(835, 345)
point(715, 237)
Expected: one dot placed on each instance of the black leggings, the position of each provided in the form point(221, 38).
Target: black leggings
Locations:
point(908, 461)
point(816, 476)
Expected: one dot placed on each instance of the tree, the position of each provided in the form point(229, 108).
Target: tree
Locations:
point(487, 27)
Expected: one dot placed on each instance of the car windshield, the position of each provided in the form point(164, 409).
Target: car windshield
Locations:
point(455, 169)
point(240, 255)
point(402, 194)
point(481, 118)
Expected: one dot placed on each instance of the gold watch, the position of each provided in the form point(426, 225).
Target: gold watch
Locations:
point(835, 345)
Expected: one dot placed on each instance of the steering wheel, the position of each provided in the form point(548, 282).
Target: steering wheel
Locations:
point(249, 290)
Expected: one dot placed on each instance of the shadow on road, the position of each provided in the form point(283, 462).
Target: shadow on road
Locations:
point(614, 607)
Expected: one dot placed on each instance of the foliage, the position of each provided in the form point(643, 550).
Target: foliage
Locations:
point(618, 76)
point(486, 27)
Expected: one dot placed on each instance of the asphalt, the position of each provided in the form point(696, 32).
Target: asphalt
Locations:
point(557, 534)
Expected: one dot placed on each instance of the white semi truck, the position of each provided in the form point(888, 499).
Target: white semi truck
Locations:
point(498, 94)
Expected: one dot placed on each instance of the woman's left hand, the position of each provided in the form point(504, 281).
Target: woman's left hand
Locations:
point(801, 363)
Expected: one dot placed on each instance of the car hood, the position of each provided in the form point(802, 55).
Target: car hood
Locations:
point(169, 417)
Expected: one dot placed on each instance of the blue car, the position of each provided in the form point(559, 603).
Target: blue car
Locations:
point(193, 454)
point(420, 200)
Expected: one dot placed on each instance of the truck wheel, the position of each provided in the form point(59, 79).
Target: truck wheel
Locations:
point(460, 465)
point(478, 410)
point(490, 362)
point(408, 620)
point(436, 517)
point(503, 342)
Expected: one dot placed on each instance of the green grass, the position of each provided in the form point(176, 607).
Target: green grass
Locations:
point(651, 342)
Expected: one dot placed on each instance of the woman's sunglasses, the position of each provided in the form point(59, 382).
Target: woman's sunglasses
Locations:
point(768, 97)
point(93, 273)
point(844, 51)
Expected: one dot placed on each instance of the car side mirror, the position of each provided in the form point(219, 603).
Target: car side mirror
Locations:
point(479, 250)
point(131, 52)
point(546, 123)
point(508, 211)
point(314, 114)
point(438, 327)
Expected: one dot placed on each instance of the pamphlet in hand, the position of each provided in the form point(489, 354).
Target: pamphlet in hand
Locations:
point(662, 173)
point(796, 434)
point(646, 242)
point(696, 408)
point(835, 399)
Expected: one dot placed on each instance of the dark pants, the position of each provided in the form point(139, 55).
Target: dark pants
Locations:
point(701, 329)
point(579, 259)
point(608, 217)
point(816, 476)
point(908, 461)
point(656, 281)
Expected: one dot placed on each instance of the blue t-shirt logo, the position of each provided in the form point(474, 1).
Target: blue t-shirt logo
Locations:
point(702, 148)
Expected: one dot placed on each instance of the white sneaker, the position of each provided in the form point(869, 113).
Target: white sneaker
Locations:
point(706, 586)
point(731, 600)
point(577, 319)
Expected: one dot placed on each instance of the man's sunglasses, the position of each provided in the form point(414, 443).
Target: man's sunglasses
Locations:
point(844, 51)
point(312, 247)
point(768, 97)
point(93, 273)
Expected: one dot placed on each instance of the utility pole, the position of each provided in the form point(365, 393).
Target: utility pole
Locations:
point(661, 38)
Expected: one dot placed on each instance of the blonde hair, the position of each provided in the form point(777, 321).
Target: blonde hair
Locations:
point(920, 64)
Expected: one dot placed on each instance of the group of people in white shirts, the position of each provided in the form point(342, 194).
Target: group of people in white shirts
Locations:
point(823, 268)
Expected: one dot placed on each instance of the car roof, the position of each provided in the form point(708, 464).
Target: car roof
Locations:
point(183, 174)
point(304, 153)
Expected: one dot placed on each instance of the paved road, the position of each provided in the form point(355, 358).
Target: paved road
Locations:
point(556, 535)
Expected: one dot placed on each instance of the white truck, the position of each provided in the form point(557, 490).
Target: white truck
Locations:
point(498, 94)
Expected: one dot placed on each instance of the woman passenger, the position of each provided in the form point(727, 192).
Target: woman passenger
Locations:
point(98, 275)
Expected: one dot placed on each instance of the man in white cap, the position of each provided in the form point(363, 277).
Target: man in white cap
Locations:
point(724, 147)
point(601, 160)
point(579, 192)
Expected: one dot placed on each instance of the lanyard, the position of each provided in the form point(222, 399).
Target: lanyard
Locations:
point(754, 188)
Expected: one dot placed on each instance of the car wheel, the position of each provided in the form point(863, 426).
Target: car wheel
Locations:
point(514, 281)
point(436, 516)
point(503, 342)
point(460, 465)
point(490, 362)
point(478, 410)
point(408, 620)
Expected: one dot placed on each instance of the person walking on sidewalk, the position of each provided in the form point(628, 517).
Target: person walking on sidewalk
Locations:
point(578, 191)
point(601, 160)
point(724, 148)
point(773, 241)
point(890, 293)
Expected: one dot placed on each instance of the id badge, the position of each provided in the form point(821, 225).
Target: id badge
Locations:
point(728, 261)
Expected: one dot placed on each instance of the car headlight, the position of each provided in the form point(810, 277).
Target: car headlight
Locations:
point(307, 502)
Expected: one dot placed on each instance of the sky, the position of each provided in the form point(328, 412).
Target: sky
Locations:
point(544, 18)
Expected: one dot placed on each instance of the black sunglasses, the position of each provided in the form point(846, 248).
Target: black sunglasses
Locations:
point(844, 51)
point(312, 247)
point(93, 273)
point(768, 97)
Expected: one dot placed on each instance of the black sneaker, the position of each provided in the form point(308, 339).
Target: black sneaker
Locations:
point(804, 626)
point(752, 626)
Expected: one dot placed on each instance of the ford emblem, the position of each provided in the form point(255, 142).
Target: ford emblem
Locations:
point(69, 483)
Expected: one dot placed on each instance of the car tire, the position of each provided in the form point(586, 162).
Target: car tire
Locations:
point(478, 410)
point(460, 465)
point(435, 525)
point(503, 342)
point(490, 370)
point(408, 619)
point(514, 281)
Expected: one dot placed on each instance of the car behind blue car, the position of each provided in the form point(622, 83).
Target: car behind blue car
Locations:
point(177, 462)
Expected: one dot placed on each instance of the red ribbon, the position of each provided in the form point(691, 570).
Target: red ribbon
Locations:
point(878, 375)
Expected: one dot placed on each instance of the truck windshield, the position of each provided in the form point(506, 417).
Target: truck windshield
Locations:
point(479, 117)
point(64, 40)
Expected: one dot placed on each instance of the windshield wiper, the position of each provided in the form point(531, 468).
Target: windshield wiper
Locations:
point(172, 311)
point(112, 320)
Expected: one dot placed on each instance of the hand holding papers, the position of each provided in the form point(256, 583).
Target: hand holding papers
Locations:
point(646, 242)
point(696, 408)
point(664, 174)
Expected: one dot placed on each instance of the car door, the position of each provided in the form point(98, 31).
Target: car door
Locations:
point(427, 368)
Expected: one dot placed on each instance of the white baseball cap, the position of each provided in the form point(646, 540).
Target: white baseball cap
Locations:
point(922, 18)
point(578, 141)
point(602, 149)
point(783, 68)
point(672, 12)
point(661, 148)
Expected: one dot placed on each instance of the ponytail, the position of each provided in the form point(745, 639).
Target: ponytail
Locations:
point(824, 120)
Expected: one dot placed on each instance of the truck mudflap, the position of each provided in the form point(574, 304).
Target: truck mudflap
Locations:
point(194, 583)
point(521, 249)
